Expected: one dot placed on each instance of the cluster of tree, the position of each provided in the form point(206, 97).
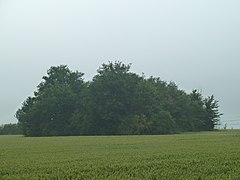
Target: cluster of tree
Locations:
point(10, 129)
point(116, 101)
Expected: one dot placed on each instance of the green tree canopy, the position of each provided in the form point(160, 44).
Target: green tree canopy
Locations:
point(10, 129)
point(116, 101)
point(49, 111)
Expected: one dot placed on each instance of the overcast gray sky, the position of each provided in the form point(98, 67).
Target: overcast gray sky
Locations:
point(195, 43)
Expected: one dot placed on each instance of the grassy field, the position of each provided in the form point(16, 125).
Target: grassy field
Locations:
point(204, 155)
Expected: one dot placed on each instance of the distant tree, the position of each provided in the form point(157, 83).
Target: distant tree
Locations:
point(116, 101)
point(10, 129)
point(49, 111)
point(197, 113)
point(25, 117)
point(212, 112)
point(111, 94)
point(135, 124)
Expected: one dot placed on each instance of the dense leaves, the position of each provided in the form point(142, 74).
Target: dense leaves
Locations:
point(116, 101)
point(10, 129)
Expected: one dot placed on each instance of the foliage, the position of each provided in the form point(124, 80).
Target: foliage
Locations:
point(204, 155)
point(10, 129)
point(116, 101)
point(49, 111)
point(211, 107)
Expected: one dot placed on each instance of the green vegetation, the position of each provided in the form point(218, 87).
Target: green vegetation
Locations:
point(204, 155)
point(10, 129)
point(115, 102)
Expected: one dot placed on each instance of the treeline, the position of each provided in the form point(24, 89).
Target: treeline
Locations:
point(115, 102)
point(10, 129)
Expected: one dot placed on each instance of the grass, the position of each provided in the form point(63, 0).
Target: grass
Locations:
point(204, 155)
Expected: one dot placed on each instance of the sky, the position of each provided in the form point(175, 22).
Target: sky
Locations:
point(196, 44)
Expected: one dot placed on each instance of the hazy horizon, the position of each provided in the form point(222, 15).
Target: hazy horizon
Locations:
point(196, 44)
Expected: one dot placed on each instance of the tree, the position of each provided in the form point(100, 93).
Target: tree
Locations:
point(10, 129)
point(116, 101)
point(49, 111)
point(212, 112)
point(26, 119)
point(111, 96)
point(135, 124)
point(197, 113)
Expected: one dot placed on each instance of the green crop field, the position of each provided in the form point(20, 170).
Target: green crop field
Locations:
point(204, 155)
